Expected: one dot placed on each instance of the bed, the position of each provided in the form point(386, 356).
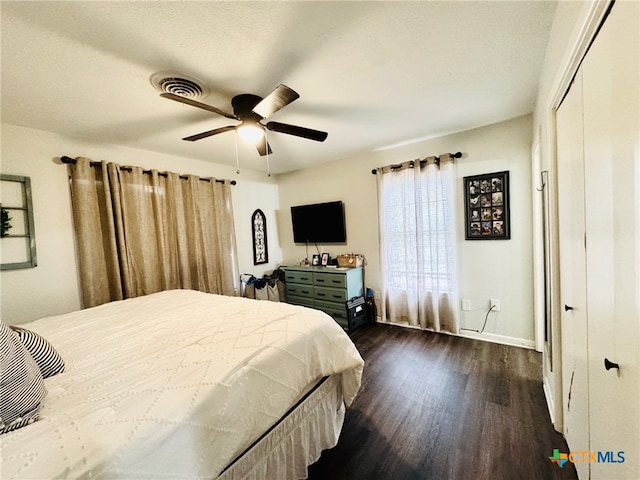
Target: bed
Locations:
point(187, 385)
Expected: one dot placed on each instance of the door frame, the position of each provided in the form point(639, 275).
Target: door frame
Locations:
point(586, 29)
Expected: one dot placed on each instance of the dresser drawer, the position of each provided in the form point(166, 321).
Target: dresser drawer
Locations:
point(304, 301)
point(330, 295)
point(299, 290)
point(298, 277)
point(336, 312)
point(336, 280)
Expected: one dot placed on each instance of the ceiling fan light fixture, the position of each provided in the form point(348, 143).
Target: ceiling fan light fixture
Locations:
point(250, 132)
point(251, 110)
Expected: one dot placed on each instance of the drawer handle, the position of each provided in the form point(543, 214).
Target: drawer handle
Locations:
point(321, 294)
point(305, 291)
point(320, 280)
point(336, 281)
point(339, 297)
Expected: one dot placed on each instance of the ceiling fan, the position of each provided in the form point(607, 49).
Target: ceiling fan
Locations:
point(252, 110)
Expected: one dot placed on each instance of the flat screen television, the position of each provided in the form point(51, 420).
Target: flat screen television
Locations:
point(319, 223)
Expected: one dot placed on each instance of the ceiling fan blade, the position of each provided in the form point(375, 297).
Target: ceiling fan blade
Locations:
point(279, 98)
point(208, 133)
point(263, 146)
point(303, 132)
point(193, 103)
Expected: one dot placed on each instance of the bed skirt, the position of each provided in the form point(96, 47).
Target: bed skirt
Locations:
point(297, 440)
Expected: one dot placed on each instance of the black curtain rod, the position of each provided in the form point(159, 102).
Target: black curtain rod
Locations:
point(454, 155)
point(66, 159)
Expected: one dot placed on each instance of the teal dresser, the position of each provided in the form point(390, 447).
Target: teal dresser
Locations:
point(326, 289)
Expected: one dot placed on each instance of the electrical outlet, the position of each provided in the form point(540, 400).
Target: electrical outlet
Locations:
point(494, 305)
point(466, 305)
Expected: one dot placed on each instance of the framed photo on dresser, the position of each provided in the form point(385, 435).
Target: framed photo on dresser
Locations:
point(486, 206)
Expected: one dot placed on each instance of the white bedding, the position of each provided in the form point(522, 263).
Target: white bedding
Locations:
point(172, 385)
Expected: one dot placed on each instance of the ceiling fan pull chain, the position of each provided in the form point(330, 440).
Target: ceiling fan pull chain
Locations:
point(266, 139)
point(237, 157)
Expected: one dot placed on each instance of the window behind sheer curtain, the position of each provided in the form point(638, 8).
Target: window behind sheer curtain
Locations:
point(417, 232)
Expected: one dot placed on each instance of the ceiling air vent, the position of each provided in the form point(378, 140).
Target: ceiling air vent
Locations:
point(179, 84)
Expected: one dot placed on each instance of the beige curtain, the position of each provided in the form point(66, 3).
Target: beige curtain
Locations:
point(416, 206)
point(139, 233)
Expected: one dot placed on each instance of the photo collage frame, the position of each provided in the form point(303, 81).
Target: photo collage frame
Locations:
point(486, 199)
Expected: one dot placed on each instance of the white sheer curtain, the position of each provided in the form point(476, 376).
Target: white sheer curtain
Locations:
point(417, 236)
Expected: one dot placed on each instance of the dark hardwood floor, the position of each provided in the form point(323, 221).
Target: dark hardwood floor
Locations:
point(436, 406)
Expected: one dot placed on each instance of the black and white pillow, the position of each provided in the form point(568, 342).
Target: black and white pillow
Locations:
point(47, 358)
point(21, 383)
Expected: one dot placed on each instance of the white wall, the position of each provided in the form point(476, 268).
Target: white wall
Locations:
point(52, 287)
point(488, 269)
point(500, 269)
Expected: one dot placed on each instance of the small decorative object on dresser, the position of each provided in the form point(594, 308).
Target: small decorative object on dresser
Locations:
point(326, 289)
point(350, 260)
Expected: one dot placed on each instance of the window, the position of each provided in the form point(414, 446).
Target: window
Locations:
point(417, 232)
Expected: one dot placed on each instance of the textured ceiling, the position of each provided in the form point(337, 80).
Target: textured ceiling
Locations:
point(372, 74)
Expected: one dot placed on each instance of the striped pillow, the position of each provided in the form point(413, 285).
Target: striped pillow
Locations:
point(21, 383)
point(49, 361)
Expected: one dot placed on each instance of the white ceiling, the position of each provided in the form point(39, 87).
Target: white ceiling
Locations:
point(372, 74)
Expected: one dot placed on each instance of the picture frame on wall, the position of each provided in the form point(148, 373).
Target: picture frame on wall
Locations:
point(259, 236)
point(486, 206)
point(18, 240)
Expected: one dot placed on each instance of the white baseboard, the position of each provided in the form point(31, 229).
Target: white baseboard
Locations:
point(549, 399)
point(502, 339)
point(486, 337)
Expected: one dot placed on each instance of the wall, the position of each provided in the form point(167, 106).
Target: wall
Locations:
point(488, 269)
point(574, 25)
point(52, 287)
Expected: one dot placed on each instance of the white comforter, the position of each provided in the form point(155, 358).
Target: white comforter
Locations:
point(172, 385)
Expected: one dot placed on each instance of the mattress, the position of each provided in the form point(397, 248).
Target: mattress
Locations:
point(175, 384)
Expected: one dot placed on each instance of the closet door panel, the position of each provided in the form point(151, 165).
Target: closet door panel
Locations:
point(571, 228)
point(612, 197)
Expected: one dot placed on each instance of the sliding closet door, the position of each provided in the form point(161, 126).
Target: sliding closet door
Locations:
point(612, 200)
point(571, 228)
